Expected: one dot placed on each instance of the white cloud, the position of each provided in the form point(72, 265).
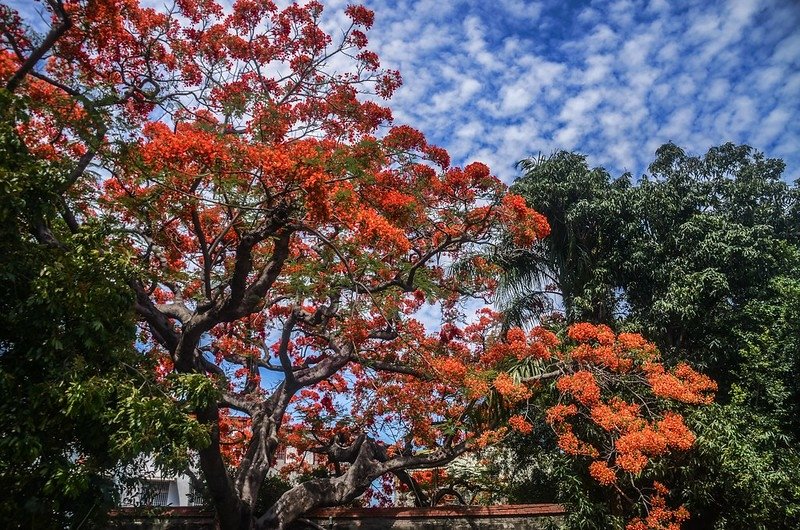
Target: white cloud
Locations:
point(787, 50)
point(717, 90)
point(602, 38)
point(515, 99)
point(598, 68)
point(521, 9)
point(773, 126)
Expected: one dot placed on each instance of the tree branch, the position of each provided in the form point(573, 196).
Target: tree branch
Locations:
point(539, 377)
point(383, 366)
point(53, 35)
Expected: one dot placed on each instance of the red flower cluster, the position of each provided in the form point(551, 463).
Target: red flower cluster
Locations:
point(539, 343)
point(512, 392)
point(520, 424)
point(660, 516)
point(585, 332)
point(603, 474)
point(638, 428)
point(450, 369)
point(430, 477)
point(582, 386)
point(636, 446)
point(558, 413)
point(617, 415)
point(572, 445)
point(525, 224)
point(683, 384)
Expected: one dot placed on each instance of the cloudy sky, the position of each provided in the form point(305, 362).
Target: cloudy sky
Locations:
point(502, 80)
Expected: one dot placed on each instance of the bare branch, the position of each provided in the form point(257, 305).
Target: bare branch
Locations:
point(390, 367)
point(176, 310)
point(539, 377)
point(283, 350)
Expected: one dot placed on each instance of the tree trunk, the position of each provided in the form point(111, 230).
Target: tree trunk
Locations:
point(233, 514)
point(317, 493)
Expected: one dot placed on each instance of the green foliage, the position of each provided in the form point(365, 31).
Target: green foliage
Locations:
point(701, 257)
point(194, 390)
point(747, 457)
point(75, 400)
point(586, 211)
point(271, 490)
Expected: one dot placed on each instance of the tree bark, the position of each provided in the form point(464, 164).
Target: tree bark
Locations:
point(324, 492)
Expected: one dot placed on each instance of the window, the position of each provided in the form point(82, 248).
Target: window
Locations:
point(156, 493)
point(195, 497)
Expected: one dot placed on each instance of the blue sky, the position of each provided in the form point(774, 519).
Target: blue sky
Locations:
point(501, 80)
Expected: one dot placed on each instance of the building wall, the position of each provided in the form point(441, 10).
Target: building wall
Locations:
point(184, 518)
point(516, 517)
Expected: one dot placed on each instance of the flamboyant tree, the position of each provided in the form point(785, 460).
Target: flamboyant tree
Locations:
point(287, 239)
